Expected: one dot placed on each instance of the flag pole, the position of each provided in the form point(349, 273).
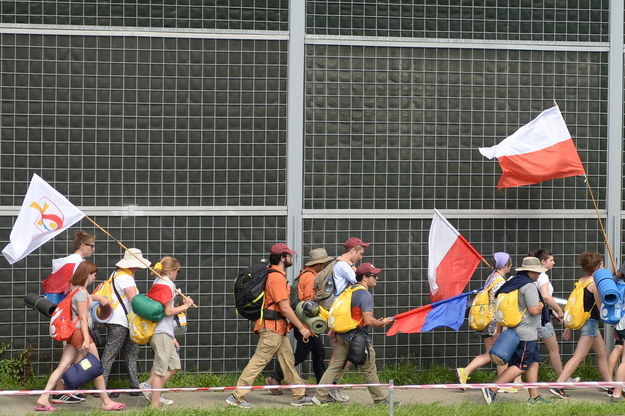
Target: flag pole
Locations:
point(605, 236)
point(133, 254)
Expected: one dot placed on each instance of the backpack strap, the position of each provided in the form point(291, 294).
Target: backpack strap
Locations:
point(271, 314)
point(121, 302)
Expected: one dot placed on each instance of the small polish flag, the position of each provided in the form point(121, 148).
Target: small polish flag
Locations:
point(452, 260)
point(539, 151)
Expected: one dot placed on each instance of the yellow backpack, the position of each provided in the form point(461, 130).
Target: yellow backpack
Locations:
point(340, 316)
point(574, 315)
point(480, 314)
point(507, 311)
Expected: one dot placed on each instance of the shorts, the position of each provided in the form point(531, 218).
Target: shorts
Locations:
point(489, 330)
point(620, 335)
point(526, 353)
point(591, 328)
point(77, 339)
point(165, 355)
point(546, 331)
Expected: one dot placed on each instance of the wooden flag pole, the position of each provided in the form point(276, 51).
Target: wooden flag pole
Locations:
point(605, 236)
point(126, 248)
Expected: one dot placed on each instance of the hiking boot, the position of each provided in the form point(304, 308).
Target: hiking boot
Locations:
point(559, 392)
point(538, 400)
point(336, 394)
point(270, 381)
point(489, 395)
point(302, 401)
point(243, 404)
point(65, 399)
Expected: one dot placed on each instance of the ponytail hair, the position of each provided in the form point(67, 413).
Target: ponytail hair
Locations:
point(166, 265)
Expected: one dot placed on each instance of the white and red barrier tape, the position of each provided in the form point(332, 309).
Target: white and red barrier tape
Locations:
point(539, 385)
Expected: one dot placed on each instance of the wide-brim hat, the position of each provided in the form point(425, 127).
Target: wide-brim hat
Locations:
point(318, 256)
point(133, 258)
point(531, 264)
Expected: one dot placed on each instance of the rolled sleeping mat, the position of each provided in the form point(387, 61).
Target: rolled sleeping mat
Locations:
point(504, 347)
point(101, 314)
point(82, 372)
point(41, 304)
point(316, 324)
point(147, 308)
point(606, 285)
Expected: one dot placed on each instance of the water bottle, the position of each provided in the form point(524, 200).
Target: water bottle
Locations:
point(618, 310)
point(329, 289)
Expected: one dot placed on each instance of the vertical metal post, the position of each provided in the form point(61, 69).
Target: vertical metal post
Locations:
point(295, 130)
point(614, 179)
point(390, 397)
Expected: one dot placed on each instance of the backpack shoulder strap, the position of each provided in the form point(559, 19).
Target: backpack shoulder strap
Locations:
point(121, 302)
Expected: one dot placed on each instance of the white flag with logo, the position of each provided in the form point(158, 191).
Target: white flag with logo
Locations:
point(44, 214)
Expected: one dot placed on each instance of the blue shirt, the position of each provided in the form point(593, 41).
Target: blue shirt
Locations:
point(344, 275)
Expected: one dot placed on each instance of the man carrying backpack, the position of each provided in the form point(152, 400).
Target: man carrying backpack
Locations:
point(272, 332)
point(362, 312)
point(526, 357)
point(303, 288)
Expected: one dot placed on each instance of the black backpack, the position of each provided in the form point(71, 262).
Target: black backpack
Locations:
point(249, 294)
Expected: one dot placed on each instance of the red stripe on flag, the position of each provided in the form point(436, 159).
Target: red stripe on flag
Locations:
point(558, 161)
point(410, 322)
point(455, 270)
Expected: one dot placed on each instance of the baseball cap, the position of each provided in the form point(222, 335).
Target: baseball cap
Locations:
point(367, 268)
point(353, 242)
point(280, 248)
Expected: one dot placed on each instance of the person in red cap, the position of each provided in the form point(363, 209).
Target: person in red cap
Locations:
point(362, 311)
point(272, 330)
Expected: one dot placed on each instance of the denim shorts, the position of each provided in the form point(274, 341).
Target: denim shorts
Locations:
point(546, 331)
point(591, 328)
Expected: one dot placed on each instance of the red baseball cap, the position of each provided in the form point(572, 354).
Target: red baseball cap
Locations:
point(367, 268)
point(353, 242)
point(280, 248)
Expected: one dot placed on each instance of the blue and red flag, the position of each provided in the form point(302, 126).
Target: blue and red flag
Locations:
point(448, 312)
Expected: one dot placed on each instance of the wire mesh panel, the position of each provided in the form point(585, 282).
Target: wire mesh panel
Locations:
point(144, 121)
point(178, 14)
point(559, 20)
point(399, 128)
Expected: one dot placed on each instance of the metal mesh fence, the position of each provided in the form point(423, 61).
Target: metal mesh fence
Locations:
point(177, 144)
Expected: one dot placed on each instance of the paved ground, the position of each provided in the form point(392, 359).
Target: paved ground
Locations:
point(23, 405)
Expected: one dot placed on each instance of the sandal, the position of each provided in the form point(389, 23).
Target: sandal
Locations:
point(115, 407)
point(45, 409)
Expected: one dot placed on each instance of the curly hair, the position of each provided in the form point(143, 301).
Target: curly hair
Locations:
point(590, 261)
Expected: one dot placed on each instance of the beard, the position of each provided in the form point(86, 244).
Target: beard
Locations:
point(287, 264)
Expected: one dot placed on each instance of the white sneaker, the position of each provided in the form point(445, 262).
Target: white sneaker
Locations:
point(148, 395)
point(573, 380)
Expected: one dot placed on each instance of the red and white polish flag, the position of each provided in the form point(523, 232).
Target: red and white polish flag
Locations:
point(452, 260)
point(539, 151)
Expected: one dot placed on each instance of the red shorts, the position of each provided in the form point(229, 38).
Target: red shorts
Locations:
point(77, 339)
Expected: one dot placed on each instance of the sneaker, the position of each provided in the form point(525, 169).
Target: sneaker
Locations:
point(65, 399)
point(610, 391)
point(538, 400)
point(79, 396)
point(462, 376)
point(559, 392)
point(386, 402)
point(233, 401)
point(321, 402)
point(573, 380)
point(509, 390)
point(489, 395)
point(302, 401)
point(336, 394)
point(618, 399)
point(148, 395)
point(134, 393)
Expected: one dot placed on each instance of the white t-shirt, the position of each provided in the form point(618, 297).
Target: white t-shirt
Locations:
point(166, 325)
point(542, 279)
point(123, 279)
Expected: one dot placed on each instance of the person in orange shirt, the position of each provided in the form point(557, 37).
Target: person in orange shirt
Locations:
point(272, 332)
point(318, 260)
